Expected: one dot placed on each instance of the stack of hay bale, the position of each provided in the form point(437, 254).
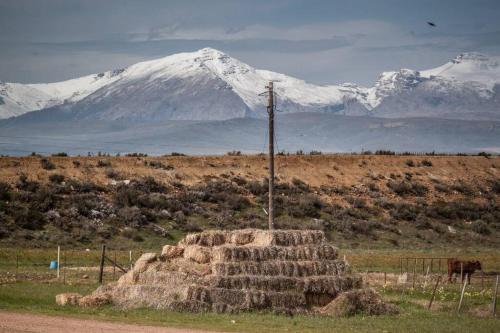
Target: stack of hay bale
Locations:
point(225, 271)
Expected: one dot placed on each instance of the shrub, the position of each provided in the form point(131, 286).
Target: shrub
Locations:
point(46, 164)
point(132, 216)
point(410, 163)
point(256, 188)
point(158, 165)
point(407, 187)
point(495, 186)
point(426, 163)
point(404, 211)
point(309, 206)
point(177, 154)
point(315, 152)
point(461, 187)
point(56, 178)
point(299, 184)
point(442, 188)
point(76, 163)
point(26, 185)
point(112, 174)
point(234, 153)
point(61, 154)
point(357, 202)
point(373, 187)
point(5, 191)
point(481, 227)
point(103, 164)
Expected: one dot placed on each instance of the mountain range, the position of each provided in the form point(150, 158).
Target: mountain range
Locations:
point(209, 102)
point(210, 85)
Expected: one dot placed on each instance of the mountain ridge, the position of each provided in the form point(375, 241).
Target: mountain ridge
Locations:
point(210, 85)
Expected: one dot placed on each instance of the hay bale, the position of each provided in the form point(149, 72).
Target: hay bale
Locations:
point(172, 251)
point(94, 300)
point(205, 238)
point(196, 253)
point(288, 237)
point(228, 253)
point(242, 237)
point(68, 299)
point(143, 262)
point(279, 268)
point(361, 301)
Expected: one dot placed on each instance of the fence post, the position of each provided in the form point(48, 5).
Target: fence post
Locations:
point(101, 267)
point(494, 307)
point(17, 263)
point(462, 294)
point(130, 258)
point(461, 272)
point(58, 260)
point(64, 268)
point(434, 292)
point(414, 272)
point(114, 266)
point(400, 266)
point(432, 264)
point(385, 278)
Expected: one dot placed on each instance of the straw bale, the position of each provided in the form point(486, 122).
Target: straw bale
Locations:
point(227, 253)
point(205, 238)
point(68, 299)
point(276, 268)
point(246, 299)
point(94, 300)
point(197, 254)
point(360, 301)
point(172, 251)
point(317, 284)
point(242, 237)
point(288, 237)
point(142, 263)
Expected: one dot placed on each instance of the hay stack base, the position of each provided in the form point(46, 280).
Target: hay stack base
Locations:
point(242, 270)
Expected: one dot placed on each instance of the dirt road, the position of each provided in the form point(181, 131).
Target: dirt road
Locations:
point(11, 322)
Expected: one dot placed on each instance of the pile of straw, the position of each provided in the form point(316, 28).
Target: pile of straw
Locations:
point(240, 270)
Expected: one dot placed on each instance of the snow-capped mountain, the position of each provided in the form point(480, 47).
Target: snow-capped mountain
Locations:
point(210, 85)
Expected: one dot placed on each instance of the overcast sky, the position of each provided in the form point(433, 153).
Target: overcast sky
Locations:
point(319, 41)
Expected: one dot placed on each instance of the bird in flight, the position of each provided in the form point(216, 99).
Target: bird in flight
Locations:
point(432, 24)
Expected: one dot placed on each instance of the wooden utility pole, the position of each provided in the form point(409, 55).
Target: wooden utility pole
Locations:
point(270, 111)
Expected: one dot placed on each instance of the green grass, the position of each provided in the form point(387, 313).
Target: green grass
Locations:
point(39, 298)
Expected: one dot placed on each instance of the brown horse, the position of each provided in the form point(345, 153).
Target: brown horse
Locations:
point(465, 267)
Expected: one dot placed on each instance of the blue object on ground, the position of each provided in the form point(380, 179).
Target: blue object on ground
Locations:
point(53, 264)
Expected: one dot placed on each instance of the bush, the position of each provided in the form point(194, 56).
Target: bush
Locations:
point(103, 164)
point(56, 178)
point(5, 191)
point(410, 163)
point(407, 187)
point(256, 188)
point(26, 185)
point(309, 206)
point(46, 164)
point(158, 165)
point(113, 174)
point(495, 186)
point(300, 185)
point(426, 163)
point(373, 187)
point(76, 163)
point(234, 153)
point(404, 211)
point(481, 227)
point(461, 187)
point(61, 154)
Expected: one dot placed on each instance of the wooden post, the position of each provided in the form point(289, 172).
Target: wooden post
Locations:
point(461, 272)
point(101, 266)
point(426, 277)
point(58, 260)
point(434, 292)
point(494, 307)
point(423, 265)
point(114, 266)
point(385, 278)
point(130, 258)
point(17, 263)
point(64, 268)
point(401, 266)
point(414, 272)
point(462, 294)
point(407, 265)
point(432, 264)
point(439, 267)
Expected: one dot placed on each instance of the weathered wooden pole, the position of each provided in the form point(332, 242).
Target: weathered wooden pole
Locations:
point(58, 260)
point(434, 292)
point(494, 307)
point(101, 266)
point(462, 294)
